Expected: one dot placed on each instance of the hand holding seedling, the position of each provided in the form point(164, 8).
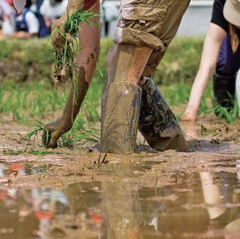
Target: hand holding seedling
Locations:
point(58, 34)
point(64, 37)
point(61, 40)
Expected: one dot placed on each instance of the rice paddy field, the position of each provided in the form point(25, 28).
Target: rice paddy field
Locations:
point(74, 191)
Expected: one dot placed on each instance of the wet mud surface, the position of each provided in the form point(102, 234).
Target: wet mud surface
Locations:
point(80, 193)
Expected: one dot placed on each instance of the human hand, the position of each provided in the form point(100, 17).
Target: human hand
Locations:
point(189, 116)
point(54, 130)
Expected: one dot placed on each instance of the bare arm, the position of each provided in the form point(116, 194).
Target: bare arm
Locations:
point(211, 48)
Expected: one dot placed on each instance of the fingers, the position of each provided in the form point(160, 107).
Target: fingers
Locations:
point(52, 143)
point(50, 136)
point(189, 117)
point(49, 139)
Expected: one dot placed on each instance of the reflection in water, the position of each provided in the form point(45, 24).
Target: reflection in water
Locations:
point(217, 198)
point(28, 213)
point(197, 205)
point(21, 169)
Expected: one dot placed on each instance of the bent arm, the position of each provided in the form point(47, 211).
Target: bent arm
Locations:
point(211, 48)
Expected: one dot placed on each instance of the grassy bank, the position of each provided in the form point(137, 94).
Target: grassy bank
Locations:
point(27, 92)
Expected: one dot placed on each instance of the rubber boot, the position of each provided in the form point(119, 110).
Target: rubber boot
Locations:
point(121, 100)
point(224, 91)
point(120, 113)
point(157, 122)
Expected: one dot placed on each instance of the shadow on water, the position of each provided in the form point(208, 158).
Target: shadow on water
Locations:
point(187, 205)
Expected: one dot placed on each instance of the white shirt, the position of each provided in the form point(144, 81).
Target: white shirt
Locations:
point(5, 8)
point(31, 21)
point(53, 11)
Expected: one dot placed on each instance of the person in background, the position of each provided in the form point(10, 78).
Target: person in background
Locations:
point(221, 52)
point(27, 23)
point(38, 4)
point(109, 13)
point(7, 14)
point(53, 9)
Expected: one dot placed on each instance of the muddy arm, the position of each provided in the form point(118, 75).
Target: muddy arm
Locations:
point(89, 46)
point(57, 128)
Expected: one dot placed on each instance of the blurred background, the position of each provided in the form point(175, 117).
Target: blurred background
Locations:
point(40, 13)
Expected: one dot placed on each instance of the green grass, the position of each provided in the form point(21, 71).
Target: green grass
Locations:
point(30, 100)
point(229, 115)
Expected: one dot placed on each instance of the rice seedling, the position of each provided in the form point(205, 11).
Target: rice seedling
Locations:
point(41, 152)
point(229, 115)
point(13, 152)
point(81, 131)
point(64, 60)
point(35, 131)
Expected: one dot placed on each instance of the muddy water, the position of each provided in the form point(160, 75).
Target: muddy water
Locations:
point(73, 193)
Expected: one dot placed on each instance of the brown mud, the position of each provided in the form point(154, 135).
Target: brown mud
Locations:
point(81, 193)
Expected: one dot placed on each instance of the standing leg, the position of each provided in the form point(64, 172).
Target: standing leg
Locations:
point(86, 63)
point(122, 98)
point(142, 28)
point(157, 122)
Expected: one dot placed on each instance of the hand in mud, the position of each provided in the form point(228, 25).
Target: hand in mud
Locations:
point(53, 131)
point(189, 116)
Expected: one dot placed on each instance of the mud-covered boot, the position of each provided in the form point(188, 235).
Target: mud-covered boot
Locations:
point(224, 91)
point(120, 113)
point(157, 122)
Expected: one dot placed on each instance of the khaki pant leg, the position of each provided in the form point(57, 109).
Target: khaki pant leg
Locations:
point(151, 23)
